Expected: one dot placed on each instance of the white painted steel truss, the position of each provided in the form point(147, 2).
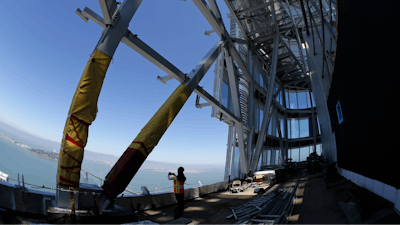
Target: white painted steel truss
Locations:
point(260, 64)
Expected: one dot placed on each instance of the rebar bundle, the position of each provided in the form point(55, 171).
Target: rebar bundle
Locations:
point(272, 208)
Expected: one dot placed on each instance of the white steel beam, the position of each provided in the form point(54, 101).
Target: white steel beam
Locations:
point(234, 87)
point(108, 8)
point(143, 49)
point(233, 13)
point(251, 107)
point(314, 120)
point(79, 13)
point(112, 37)
point(333, 34)
point(219, 28)
point(164, 79)
point(267, 113)
point(297, 38)
point(210, 99)
point(228, 161)
point(89, 14)
point(215, 9)
point(202, 67)
point(258, 6)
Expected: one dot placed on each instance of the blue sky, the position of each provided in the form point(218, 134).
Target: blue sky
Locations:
point(44, 47)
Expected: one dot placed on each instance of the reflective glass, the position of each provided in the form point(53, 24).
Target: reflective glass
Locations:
point(319, 149)
point(277, 155)
point(268, 157)
point(304, 152)
point(302, 98)
point(295, 154)
point(304, 132)
point(293, 100)
point(294, 128)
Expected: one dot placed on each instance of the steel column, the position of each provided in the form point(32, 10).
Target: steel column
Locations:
point(234, 87)
point(265, 123)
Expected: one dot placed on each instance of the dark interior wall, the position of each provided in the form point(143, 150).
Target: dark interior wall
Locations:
point(366, 82)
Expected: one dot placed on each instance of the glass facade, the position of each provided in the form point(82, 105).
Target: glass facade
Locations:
point(298, 125)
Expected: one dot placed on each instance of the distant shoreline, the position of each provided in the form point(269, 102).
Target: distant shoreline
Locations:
point(41, 153)
point(54, 157)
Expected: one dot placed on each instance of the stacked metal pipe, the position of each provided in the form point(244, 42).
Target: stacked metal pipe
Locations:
point(272, 208)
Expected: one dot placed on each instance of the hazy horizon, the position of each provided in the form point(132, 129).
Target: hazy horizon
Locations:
point(23, 136)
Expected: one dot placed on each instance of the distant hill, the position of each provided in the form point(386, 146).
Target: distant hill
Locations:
point(48, 145)
point(29, 139)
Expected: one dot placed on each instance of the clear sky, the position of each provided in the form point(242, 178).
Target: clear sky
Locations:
point(44, 47)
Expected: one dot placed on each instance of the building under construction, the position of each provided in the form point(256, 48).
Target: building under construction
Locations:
point(304, 86)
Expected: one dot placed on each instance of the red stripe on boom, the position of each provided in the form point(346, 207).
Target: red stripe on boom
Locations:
point(69, 181)
point(70, 139)
point(142, 144)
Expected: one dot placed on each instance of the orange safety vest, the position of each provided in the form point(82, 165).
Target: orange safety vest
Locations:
point(178, 186)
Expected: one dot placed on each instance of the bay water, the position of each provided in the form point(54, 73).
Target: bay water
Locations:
point(40, 171)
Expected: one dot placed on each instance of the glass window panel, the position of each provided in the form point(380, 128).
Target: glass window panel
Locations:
point(277, 159)
point(259, 164)
point(261, 118)
point(304, 130)
point(311, 149)
point(295, 155)
point(269, 158)
point(304, 151)
point(294, 128)
point(293, 100)
point(302, 98)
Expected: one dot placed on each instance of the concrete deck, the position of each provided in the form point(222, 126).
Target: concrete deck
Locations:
point(315, 204)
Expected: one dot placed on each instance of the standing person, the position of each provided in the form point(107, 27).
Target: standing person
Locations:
point(178, 190)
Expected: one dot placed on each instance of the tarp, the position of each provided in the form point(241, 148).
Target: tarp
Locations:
point(136, 203)
point(129, 163)
point(207, 189)
point(164, 199)
point(191, 193)
point(82, 113)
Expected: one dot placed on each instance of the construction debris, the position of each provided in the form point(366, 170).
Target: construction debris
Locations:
point(271, 208)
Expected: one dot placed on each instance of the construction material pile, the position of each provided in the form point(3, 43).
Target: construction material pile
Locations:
point(272, 208)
